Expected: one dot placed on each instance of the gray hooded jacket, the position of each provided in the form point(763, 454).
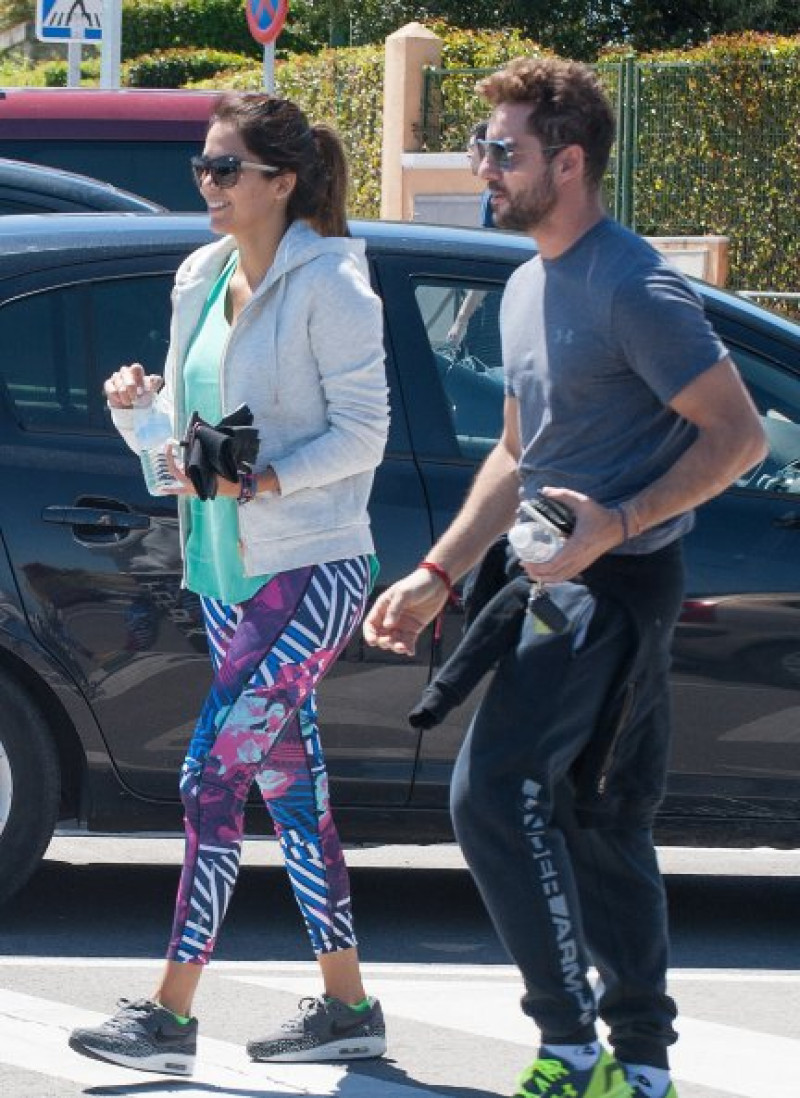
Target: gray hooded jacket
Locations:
point(306, 354)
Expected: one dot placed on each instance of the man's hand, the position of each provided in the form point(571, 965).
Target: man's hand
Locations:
point(401, 613)
point(597, 529)
point(456, 332)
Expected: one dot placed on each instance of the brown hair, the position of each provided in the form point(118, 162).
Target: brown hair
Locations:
point(568, 105)
point(277, 132)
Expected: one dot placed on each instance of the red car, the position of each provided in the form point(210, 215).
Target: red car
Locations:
point(140, 140)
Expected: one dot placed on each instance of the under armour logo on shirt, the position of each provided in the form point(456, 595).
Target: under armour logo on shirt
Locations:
point(564, 335)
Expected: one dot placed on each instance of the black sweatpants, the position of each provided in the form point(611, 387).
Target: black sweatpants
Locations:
point(561, 725)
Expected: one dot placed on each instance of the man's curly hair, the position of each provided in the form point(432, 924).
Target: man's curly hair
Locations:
point(568, 105)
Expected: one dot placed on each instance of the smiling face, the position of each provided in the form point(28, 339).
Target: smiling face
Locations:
point(524, 195)
point(256, 201)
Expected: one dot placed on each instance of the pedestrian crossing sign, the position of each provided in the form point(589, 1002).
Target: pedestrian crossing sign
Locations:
point(69, 20)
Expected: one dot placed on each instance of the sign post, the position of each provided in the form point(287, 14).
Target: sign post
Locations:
point(74, 51)
point(77, 21)
point(265, 18)
point(112, 43)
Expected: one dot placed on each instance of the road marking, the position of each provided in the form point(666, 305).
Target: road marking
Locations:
point(33, 1036)
point(481, 1000)
point(708, 1053)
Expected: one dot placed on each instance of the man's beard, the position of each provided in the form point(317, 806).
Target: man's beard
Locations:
point(525, 212)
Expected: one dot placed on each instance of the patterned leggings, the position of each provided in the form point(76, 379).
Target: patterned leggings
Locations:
point(259, 724)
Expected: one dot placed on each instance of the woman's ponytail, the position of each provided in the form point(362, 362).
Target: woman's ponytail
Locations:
point(330, 217)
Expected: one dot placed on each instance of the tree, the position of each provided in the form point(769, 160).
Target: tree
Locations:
point(16, 11)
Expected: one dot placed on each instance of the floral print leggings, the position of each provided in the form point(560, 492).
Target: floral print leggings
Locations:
point(258, 723)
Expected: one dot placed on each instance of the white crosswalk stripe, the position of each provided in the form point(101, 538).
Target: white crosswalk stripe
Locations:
point(33, 1036)
point(707, 1053)
point(477, 1000)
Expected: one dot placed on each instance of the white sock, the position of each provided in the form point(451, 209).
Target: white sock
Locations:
point(581, 1057)
point(653, 1082)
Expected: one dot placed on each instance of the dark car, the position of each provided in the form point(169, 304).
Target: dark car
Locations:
point(137, 138)
point(33, 188)
point(102, 654)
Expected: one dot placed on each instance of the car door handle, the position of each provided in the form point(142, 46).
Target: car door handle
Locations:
point(791, 521)
point(104, 518)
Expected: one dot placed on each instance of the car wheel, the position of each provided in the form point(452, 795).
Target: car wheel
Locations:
point(777, 664)
point(29, 787)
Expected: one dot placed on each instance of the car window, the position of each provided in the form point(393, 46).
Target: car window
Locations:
point(462, 325)
point(776, 393)
point(20, 206)
point(59, 345)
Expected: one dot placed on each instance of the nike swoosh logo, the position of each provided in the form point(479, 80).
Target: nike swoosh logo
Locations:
point(347, 1029)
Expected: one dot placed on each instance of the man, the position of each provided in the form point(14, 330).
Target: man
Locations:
point(621, 403)
point(478, 134)
point(473, 298)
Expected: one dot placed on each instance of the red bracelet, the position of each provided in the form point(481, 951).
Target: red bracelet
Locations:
point(437, 570)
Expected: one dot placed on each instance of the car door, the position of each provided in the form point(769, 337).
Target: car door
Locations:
point(736, 649)
point(97, 558)
point(454, 397)
point(737, 646)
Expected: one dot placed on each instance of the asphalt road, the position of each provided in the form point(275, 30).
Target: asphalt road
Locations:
point(93, 923)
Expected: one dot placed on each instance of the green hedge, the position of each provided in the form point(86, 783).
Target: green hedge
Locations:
point(150, 25)
point(719, 152)
point(178, 67)
point(56, 73)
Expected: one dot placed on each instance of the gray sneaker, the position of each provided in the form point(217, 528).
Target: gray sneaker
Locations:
point(141, 1035)
point(324, 1030)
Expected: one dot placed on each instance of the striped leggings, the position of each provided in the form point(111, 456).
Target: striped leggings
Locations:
point(258, 723)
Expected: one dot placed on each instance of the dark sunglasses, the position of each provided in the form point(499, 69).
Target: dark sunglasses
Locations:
point(225, 171)
point(501, 154)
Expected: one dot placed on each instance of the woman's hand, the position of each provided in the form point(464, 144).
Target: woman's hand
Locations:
point(177, 472)
point(130, 385)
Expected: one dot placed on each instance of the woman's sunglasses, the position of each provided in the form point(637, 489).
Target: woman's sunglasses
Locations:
point(225, 171)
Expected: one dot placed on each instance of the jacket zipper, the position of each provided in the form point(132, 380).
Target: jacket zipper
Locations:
point(622, 720)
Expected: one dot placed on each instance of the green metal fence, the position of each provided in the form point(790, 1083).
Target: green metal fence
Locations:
point(701, 148)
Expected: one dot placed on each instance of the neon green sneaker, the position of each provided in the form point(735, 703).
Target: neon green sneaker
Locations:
point(671, 1092)
point(551, 1077)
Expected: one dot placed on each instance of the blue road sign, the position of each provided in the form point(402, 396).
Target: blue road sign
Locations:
point(69, 20)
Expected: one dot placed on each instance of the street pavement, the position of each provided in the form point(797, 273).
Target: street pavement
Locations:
point(92, 925)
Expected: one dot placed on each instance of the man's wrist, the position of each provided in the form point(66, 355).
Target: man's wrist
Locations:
point(442, 575)
point(630, 519)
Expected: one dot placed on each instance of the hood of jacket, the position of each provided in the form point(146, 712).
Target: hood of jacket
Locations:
point(300, 244)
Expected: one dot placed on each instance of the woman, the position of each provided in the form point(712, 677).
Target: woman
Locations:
point(279, 315)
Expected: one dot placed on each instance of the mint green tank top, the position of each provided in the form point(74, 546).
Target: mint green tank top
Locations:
point(213, 560)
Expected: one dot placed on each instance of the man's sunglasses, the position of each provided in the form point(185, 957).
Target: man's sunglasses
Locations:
point(225, 171)
point(501, 154)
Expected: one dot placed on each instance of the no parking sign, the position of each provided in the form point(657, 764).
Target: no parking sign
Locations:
point(265, 19)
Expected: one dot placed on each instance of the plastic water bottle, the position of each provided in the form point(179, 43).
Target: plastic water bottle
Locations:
point(153, 432)
point(533, 540)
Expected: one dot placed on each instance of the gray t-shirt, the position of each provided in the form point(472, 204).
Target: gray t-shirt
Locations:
point(595, 345)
